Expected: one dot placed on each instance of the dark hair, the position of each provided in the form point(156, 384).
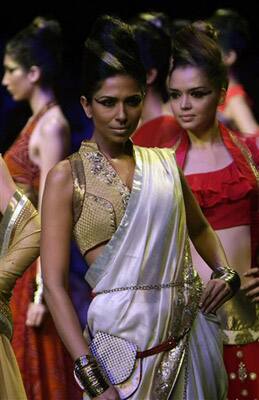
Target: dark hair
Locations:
point(196, 44)
point(109, 50)
point(233, 30)
point(151, 33)
point(38, 44)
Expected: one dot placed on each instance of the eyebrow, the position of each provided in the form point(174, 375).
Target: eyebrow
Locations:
point(104, 97)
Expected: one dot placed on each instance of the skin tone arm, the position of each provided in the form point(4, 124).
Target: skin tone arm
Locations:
point(51, 148)
point(7, 186)
point(242, 115)
point(208, 245)
point(55, 248)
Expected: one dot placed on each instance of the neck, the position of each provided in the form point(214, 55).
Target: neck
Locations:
point(113, 150)
point(40, 98)
point(207, 137)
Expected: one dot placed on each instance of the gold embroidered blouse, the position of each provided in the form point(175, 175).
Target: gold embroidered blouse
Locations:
point(100, 197)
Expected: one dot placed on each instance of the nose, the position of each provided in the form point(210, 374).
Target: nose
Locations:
point(121, 114)
point(185, 102)
point(4, 80)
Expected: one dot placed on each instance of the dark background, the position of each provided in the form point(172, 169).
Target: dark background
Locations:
point(76, 18)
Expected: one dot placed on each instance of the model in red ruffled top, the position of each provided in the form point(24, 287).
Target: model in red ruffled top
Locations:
point(222, 169)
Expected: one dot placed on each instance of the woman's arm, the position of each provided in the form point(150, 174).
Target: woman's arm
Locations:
point(242, 116)
point(55, 249)
point(52, 147)
point(55, 256)
point(208, 245)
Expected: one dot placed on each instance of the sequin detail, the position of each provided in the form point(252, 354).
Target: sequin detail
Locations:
point(5, 319)
point(99, 198)
point(102, 168)
point(188, 296)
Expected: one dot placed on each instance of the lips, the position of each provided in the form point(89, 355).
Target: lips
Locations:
point(187, 117)
point(121, 129)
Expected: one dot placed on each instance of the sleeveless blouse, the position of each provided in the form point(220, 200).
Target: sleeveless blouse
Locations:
point(225, 196)
point(99, 198)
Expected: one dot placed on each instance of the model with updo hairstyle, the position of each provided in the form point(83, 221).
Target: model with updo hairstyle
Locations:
point(221, 168)
point(157, 124)
point(32, 63)
point(196, 45)
point(234, 37)
point(109, 52)
point(39, 44)
point(125, 207)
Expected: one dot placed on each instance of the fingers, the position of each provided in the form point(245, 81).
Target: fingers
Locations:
point(215, 294)
point(252, 272)
point(252, 291)
point(252, 287)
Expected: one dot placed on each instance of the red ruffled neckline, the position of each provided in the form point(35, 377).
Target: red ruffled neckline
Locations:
point(221, 186)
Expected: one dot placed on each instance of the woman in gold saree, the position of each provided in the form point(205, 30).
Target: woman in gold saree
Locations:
point(19, 246)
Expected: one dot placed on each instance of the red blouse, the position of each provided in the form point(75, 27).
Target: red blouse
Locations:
point(225, 196)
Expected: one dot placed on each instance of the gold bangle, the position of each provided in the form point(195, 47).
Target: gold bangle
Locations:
point(38, 294)
point(228, 275)
point(89, 376)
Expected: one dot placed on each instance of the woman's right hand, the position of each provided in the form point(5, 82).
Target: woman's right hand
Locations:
point(109, 394)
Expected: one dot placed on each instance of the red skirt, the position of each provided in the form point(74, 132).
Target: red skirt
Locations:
point(46, 366)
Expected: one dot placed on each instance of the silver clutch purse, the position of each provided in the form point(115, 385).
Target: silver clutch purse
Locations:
point(118, 359)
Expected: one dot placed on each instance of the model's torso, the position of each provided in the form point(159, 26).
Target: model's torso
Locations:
point(208, 166)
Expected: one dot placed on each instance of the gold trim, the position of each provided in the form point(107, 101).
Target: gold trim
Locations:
point(7, 224)
point(247, 154)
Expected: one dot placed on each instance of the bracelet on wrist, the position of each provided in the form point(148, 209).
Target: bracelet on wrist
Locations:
point(38, 294)
point(228, 275)
point(89, 376)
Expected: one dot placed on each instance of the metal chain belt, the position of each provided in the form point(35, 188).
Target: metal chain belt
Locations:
point(145, 287)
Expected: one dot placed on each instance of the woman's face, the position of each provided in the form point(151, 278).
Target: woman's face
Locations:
point(16, 79)
point(115, 108)
point(194, 100)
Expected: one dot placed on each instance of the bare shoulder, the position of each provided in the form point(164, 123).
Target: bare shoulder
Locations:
point(59, 178)
point(54, 123)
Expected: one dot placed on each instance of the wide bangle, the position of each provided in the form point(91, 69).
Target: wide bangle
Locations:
point(228, 275)
point(89, 377)
point(38, 294)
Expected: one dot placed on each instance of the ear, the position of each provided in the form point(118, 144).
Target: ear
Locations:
point(151, 76)
point(222, 96)
point(229, 58)
point(86, 106)
point(34, 74)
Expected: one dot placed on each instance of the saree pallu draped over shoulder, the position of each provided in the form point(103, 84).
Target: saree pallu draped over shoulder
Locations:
point(19, 246)
point(144, 285)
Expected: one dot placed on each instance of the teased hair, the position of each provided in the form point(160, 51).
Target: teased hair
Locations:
point(109, 50)
point(38, 44)
point(152, 35)
point(196, 44)
point(233, 30)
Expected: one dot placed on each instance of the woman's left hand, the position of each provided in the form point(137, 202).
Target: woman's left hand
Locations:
point(216, 292)
point(252, 288)
point(35, 314)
